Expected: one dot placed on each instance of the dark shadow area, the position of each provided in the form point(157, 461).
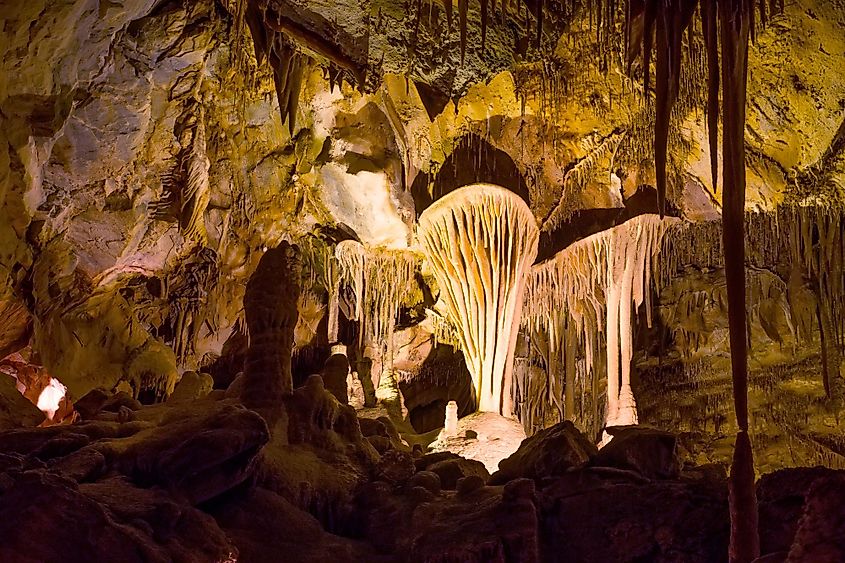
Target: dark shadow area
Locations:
point(443, 377)
point(591, 221)
point(434, 100)
point(474, 160)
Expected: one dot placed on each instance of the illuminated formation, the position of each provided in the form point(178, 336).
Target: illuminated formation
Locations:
point(604, 276)
point(379, 279)
point(481, 241)
point(444, 280)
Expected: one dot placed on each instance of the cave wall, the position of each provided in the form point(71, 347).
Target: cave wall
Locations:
point(145, 166)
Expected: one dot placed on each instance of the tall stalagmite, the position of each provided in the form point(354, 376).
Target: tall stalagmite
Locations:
point(481, 241)
point(270, 303)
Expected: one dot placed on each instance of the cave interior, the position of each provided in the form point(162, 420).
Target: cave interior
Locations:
point(380, 281)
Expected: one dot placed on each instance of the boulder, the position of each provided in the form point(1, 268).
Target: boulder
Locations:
point(236, 387)
point(382, 433)
point(200, 452)
point(476, 526)
point(191, 386)
point(780, 500)
point(427, 480)
point(48, 518)
point(453, 469)
point(650, 452)
point(548, 453)
point(821, 531)
point(266, 527)
point(395, 467)
point(91, 403)
point(121, 399)
point(606, 519)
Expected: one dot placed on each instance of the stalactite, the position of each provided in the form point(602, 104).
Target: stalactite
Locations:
point(481, 241)
point(288, 68)
point(321, 264)
point(253, 18)
point(484, 6)
point(379, 279)
point(709, 25)
point(599, 282)
point(671, 24)
point(462, 24)
point(197, 192)
point(444, 331)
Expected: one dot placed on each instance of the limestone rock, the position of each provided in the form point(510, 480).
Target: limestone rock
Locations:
point(15, 409)
point(335, 374)
point(264, 525)
point(427, 480)
point(107, 521)
point(395, 467)
point(91, 403)
point(455, 468)
point(271, 313)
point(17, 326)
point(650, 452)
point(821, 529)
point(781, 498)
point(547, 453)
point(478, 527)
point(485, 437)
point(192, 386)
point(626, 521)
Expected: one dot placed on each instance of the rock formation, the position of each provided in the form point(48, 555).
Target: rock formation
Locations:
point(480, 241)
point(270, 304)
point(251, 251)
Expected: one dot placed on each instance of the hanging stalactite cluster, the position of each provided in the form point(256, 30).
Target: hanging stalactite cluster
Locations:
point(803, 245)
point(379, 279)
point(272, 43)
point(593, 287)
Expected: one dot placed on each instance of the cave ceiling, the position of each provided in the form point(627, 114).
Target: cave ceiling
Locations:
point(151, 150)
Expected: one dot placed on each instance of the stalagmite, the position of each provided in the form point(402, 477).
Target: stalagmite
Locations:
point(270, 303)
point(481, 240)
point(605, 276)
point(450, 423)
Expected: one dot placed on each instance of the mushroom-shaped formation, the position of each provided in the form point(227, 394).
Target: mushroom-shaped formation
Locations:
point(481, 241)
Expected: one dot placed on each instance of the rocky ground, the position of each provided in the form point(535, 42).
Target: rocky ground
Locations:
point(204, 479)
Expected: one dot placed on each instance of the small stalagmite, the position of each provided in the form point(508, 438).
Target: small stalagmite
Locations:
point(481, 241)
point(450, 423)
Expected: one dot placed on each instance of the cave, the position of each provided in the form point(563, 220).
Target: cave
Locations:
point(377, 281)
